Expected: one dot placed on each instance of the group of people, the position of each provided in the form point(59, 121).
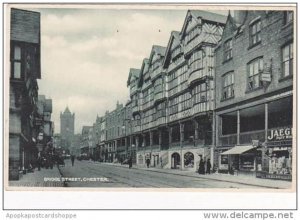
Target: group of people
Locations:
point(204, 166)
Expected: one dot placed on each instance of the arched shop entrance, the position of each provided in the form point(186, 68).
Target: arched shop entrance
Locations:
point(189, 160)
point(175, 161)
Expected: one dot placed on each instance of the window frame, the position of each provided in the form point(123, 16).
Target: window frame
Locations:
point(225, 86)
point(15, 60)
point(290, 45)
point(227, 50)
point(256, 35)
point(260, 71)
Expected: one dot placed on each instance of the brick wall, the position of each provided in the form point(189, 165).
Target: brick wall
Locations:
point(274, 35)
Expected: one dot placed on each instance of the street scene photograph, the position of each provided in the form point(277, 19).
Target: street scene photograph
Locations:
point(182, 97)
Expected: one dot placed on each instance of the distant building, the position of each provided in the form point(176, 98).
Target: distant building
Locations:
point(75, 145)
point(45, 135)
point(100, 152)
point(86, 138)
point(25, 69)
point(67, 124)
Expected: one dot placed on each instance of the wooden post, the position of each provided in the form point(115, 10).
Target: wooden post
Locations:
point(238, 127)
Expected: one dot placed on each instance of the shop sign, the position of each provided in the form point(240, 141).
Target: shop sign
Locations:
point(264, 175)
point(280, 134)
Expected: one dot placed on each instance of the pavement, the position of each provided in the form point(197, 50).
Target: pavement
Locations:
point(246, 180)
point(43, 178)
point(52, 177)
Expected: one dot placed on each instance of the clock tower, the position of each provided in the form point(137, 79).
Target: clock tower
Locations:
point(67, 120)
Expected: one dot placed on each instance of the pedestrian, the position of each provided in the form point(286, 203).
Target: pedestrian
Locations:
point(130, 162)
point(148, 162)
point(72, 159)
point(201, 167)
point(208, 166)
point(39, 162)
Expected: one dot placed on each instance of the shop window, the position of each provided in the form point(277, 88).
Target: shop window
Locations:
point(255, 33)
point(228, 50)
point(228, 86)
point(287, 60)
point(255, 69)
point(288, 17)
point(16, 63)
point(224, 159)
point(188, 160)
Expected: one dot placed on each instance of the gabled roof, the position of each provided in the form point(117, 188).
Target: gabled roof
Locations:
point(232, 26)
point(174, 38)
point(204, 15)
point(209, 16)
point(145, 65)
point(133, 73)
point(156, 49)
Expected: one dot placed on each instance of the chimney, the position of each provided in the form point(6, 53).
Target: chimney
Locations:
point(239, 16)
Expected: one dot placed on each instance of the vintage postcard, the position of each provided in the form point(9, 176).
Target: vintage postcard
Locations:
point(178, 97)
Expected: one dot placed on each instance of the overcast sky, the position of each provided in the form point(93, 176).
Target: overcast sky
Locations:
point(86, 56)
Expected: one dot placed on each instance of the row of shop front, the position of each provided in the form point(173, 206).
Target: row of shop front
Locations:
point(251, 139)
point(256, 138)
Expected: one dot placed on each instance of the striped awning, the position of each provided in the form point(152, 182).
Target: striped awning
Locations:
point(239, 149)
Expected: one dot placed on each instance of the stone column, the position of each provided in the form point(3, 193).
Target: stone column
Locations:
point(181, 127)
point(160, 139)
point(144, 140)
point(217, 129)
point(151, 139)
point(213, 146)
point(170, 135)
point(126, 147)
point(266, 121)
point(196, 130)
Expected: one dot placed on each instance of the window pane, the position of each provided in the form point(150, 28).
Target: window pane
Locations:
point(285, 53)
point(258, 26)
point(258, 37)
point(251, 69)
point(286, 70)
point(232, 78)
point(255, 67)
point(256, 81)
point(17, 53)
point(253, 29)
point(261, 65)
point(17, 70)
point(291, 50)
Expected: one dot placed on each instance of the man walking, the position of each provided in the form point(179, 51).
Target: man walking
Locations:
point(148, 162)
point(72, 159)
point(130, 162)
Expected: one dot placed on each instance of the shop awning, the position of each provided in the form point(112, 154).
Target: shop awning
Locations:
point(239, 149)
